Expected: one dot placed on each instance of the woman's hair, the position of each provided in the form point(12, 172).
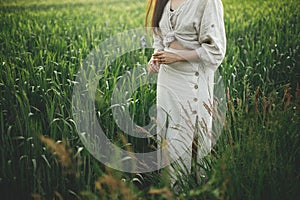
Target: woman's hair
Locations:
point(155, 9)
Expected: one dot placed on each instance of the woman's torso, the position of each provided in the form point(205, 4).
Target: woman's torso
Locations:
point(183, 24)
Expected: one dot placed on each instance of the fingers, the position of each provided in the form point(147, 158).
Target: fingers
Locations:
point(158, 53)
point(163, 57)
point(153, 67)
point(159, 58)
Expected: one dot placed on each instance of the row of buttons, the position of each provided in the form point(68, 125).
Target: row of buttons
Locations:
point(195, 99)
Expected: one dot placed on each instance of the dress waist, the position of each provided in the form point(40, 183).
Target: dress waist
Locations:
point(183, 66)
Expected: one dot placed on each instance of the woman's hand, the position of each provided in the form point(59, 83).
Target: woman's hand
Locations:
point(163, 57)
point(153, 66)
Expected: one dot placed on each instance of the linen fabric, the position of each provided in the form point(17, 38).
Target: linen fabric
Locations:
point(198, 25)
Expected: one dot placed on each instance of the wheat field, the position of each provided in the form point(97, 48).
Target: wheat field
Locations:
point(44, 43)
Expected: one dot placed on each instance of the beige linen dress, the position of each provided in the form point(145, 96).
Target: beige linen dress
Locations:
point(185, 89)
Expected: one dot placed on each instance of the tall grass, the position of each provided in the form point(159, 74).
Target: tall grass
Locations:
point(42, 45)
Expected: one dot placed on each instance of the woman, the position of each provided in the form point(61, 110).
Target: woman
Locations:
point(189, 45)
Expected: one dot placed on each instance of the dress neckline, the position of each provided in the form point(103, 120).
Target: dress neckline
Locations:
point(178, 8)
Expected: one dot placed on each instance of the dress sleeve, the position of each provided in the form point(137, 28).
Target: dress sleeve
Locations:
point(158, 41)
point(212, 35)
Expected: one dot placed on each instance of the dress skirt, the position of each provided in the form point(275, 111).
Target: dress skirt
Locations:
point(184, 121)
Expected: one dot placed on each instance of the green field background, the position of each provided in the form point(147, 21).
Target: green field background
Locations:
point(42, 46)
